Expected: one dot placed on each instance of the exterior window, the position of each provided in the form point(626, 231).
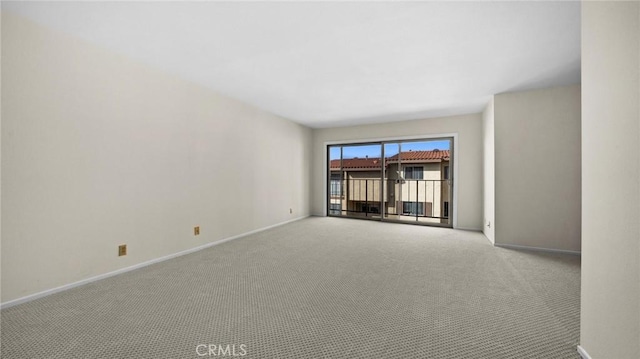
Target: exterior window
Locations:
point(445, 209)
point(335, 208)
point(335, 185)
point(413, 172)
point(413, 208)
point(446, 172)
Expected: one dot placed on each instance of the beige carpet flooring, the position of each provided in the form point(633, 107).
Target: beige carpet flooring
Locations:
point(318, 288)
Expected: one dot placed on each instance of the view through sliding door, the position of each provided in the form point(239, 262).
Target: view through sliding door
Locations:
point(402, 181)
point(355, 181)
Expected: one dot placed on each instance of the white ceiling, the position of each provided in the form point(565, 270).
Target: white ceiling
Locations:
point(328, 64)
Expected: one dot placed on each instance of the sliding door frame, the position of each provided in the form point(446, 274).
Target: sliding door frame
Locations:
point(453, 171)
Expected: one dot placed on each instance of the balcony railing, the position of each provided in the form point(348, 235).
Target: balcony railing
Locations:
point(424, 200)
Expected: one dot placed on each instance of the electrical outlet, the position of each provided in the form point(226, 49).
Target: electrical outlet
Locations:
point(122, 250)
point(196, 231)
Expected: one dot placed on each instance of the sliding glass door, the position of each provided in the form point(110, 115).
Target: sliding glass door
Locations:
point(355, 173)
point(418, 178)
point(402, 181)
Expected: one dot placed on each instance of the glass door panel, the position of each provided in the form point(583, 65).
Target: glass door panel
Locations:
point(355, 180)
point(423, 186)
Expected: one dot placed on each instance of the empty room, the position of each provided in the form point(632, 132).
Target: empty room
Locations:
point(379, 179)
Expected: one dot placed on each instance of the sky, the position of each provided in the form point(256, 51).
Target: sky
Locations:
point(390, 149)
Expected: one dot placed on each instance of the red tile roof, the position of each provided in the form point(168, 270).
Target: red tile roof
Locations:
point(354, 163)
point(409, 156)
point(442, 155)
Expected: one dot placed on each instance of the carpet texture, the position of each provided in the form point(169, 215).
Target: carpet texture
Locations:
point(318, 288)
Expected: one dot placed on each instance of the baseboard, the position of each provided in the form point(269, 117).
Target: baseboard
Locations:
point(47, 292)
point(538, 249)
point(583, 353)
point(468, 229)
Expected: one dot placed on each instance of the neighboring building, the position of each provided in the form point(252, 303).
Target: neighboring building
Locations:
point(417, 186)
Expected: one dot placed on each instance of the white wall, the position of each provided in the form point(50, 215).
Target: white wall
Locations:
point(98, 150)
point(489, 171)
point(537, 168)
point(0, 166)
point(469, 157)
point(610, 300)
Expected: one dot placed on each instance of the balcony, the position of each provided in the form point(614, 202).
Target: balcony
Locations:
point(412, 200)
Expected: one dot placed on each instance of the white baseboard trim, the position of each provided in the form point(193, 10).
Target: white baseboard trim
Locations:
point(538, 249)
point(489, 239)
point(468, 229)
point(47, 292)
point(583, 353)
